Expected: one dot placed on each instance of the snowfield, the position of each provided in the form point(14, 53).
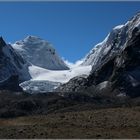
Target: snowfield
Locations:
point(62, 76)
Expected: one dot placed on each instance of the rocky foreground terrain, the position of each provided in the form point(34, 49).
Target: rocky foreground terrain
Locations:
point(103, 123)
point(75, 116)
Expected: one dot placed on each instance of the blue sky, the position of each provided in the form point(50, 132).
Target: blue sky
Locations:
point(72, 27)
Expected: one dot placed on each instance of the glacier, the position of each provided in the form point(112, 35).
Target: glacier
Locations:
point(39, 86)
point(44, 80)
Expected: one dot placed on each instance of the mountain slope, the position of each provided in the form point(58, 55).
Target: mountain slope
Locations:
point(115, 62)
point(13, 69)
point(12, 63)
point(123, 68)
point(114, 43)
point(40, 53)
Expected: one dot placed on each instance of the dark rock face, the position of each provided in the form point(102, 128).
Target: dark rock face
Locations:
point(75, 84)
point(123, 70)
point(11, 84)
point(127, 75)
point(13, 69)
point(2, 42)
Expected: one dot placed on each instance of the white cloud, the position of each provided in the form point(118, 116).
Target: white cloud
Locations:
point(72, 65)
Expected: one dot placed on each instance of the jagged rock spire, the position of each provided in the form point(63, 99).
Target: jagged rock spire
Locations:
point(2, 42)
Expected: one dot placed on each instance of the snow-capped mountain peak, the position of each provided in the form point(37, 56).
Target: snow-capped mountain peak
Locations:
point(113, 43)
point(40, 53)
point(32, 38)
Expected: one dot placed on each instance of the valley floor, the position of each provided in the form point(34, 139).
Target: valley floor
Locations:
point(100, 123)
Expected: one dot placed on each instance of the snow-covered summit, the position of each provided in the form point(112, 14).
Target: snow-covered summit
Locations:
point(114, 43)
point(39, 52)
point(118, 27)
